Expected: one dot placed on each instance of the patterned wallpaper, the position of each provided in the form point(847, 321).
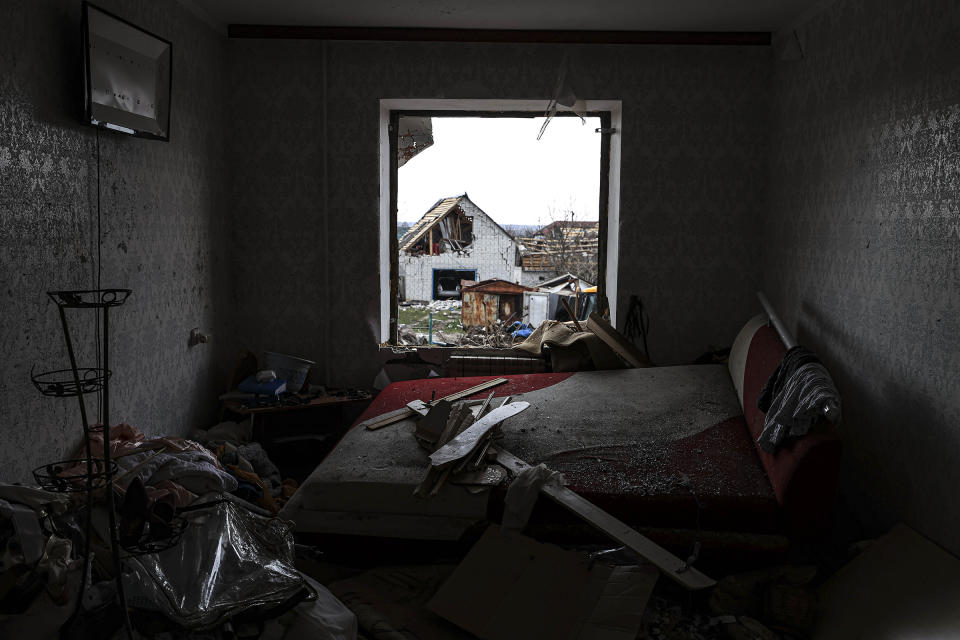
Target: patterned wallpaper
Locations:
point(162, 231)
point(693, 188)
point(863, 244)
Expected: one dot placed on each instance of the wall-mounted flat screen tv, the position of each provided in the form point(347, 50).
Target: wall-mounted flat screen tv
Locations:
point(127, 76)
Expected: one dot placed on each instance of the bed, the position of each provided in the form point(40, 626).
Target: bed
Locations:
point(671, 448)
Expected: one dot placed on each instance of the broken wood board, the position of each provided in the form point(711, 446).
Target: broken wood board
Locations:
point(386, 419)
point(483, 386)
point(421, 407)
point(672, 566)
point(464, 443)
point(570, 314)
point(615, 340)
point(458, 422)
point(431, 426)
point(511, 587)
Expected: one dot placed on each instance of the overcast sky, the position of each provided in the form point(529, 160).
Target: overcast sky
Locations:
point(505, 170)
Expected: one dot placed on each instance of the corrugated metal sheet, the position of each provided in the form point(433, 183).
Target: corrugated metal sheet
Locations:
point(479, 309)
point(511, 307)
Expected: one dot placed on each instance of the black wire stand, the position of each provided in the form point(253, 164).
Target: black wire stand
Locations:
point(90, 475)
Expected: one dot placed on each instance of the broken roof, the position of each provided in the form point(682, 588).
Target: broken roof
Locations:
point(568, 224)
point(563, 280)
point(438, 212)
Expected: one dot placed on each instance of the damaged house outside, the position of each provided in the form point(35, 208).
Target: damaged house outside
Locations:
point(454, 241)
point(563, 246)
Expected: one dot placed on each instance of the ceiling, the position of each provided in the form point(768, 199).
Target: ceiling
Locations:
point(613, 15)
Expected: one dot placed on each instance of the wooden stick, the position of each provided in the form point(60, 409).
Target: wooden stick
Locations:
point(615, 340)
point(386, 419)
point(671, 566)
point(484, 406)
point(472, 390)
point(425, 483)
point(566, 305)
point(440, 482)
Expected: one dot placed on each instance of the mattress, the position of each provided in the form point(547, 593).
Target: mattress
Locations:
point(664, 446)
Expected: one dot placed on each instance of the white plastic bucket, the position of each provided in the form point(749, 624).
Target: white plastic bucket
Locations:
point(290, 368)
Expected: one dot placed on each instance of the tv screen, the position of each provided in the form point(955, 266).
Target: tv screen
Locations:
point(127, 76)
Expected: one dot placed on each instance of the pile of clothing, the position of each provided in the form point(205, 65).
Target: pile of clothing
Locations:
point(176, 470)
point(258, 479)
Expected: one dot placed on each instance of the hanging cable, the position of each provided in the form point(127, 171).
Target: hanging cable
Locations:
point(96, 322)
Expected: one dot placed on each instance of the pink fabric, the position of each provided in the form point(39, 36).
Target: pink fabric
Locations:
point(123, 439)
point(126, 439)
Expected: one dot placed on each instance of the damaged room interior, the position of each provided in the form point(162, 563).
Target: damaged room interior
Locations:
point(453, 320)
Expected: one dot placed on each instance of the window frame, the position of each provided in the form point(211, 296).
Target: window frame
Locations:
point(610, 114)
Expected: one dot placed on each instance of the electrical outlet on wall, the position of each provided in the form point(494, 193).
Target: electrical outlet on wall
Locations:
point(196, 337)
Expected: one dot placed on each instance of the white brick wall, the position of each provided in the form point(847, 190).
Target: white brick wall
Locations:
point(492, 254)
point(535, 278)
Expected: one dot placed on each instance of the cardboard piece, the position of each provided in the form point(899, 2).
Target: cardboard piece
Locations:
point(511, 587)
point(901, 586)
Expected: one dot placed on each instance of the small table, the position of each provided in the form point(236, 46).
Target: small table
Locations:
point(308, 428)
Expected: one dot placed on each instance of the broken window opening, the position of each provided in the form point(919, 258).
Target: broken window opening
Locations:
point(427, 249)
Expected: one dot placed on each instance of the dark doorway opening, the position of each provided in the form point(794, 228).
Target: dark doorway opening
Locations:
point(447, 282)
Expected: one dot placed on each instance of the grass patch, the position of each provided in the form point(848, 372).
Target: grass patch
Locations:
point(417, 318)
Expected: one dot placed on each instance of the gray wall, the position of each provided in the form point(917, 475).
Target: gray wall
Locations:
point(693, 184)
point(863, 244)
point(161, 230)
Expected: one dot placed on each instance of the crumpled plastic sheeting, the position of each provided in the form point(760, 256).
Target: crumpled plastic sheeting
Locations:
point(228, 560)
point(522, 495)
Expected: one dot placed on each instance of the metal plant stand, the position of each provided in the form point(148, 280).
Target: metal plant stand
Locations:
point(79, 381)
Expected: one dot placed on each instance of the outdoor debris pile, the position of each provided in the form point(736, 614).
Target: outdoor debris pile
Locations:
point(441, 326)
point(569, 346)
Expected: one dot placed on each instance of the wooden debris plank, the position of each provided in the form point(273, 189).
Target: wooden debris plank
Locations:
point(418, 406)
point(671, 566)
point(566, 305)
point(472, 390)
point(476, 459)
point(429, 480)
point(386, 419)
point(464, 443)
point(432, 426)
point(457, 421)
point(615, 340)
point(443, 478)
